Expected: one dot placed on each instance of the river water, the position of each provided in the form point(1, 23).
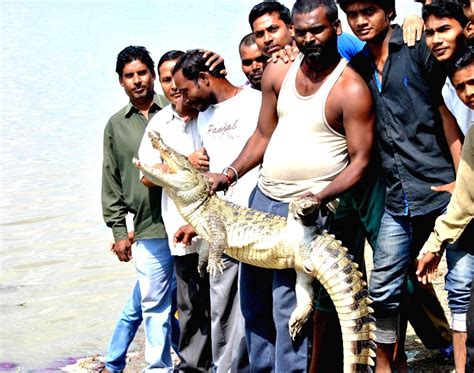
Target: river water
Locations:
point(61, 290)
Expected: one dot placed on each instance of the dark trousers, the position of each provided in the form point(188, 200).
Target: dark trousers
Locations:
point(267, 299)
point(194, 315)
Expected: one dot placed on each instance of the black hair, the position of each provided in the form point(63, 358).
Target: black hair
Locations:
point(132, 53)
point(462, 59)
point(168, 56)
point(445, 10)
point(192, 63)
point(247, 40)
point(387, 5)
point(307, 6)
point(268, 7)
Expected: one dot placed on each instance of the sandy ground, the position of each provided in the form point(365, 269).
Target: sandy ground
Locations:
point(420, 359)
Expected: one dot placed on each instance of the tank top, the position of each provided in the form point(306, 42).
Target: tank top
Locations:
point(304, 153)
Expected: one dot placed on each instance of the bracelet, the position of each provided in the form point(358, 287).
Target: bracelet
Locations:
point(229, 179)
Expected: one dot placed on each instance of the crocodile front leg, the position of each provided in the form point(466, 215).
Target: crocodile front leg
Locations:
point(304, 303)
point(216, 237)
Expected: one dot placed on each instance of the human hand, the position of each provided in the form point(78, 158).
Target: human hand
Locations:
point(184, 235)
point(286, 54)
point(200, 160)
point(213, 61)
point(444, 188)
point(219, 182)
point(307, 206)
point(123, 249)
point(413, 27)
point(131, 237)
point(428, 267)
point(312, 196)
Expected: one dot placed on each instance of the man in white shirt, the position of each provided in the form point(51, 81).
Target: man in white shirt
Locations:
point(177, 125)
point(228, 116)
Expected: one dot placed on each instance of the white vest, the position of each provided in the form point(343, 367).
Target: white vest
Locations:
point(304, 153)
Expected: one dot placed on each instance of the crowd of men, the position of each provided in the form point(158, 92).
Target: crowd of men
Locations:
point(370, 126)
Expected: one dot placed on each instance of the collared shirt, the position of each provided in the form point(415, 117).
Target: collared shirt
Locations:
point(122, 191)
point(410, 138)
point(460, 212)
point(183, 137)
point(463, 114)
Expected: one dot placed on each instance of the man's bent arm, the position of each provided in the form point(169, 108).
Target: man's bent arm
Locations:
point(453, 134)
point(359, 126)
point(254, 149)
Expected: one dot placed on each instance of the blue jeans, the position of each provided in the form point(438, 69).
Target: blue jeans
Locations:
point(399, 240)
point(154, 266)
point(124, 332)
point(127, 325)
point(267, 300)
point(458, 280)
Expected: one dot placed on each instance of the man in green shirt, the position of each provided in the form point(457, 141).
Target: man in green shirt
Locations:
point(123, 193)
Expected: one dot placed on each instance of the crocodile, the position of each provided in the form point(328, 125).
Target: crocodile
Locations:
point(269, 241)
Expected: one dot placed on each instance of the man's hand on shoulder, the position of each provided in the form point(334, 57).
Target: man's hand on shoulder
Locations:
point(286, 54)
point(413, 27)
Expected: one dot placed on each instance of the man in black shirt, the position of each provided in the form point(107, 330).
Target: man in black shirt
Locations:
point(406, 87)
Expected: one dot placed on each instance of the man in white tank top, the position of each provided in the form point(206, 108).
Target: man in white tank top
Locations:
point(314, 136)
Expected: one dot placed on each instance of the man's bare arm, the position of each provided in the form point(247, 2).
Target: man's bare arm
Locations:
point(454, 138)
point(452, 133)
point(359, 127)
point(253, 151)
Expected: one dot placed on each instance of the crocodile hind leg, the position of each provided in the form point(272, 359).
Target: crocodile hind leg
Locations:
point(339, 276)
point(203, 257)
point(304, 303)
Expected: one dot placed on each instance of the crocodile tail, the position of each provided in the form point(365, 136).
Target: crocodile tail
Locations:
point(336, 272)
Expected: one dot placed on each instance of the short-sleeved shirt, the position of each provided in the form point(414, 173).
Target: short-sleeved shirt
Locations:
point(410, 138)
point(224, 129)
point(463, 114)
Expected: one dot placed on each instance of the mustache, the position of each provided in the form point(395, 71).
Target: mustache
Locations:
point(313, 49)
